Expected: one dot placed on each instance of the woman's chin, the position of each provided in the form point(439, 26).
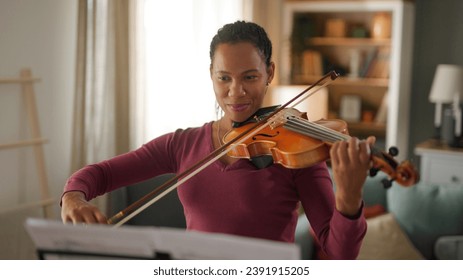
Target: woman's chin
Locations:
point(240, 117)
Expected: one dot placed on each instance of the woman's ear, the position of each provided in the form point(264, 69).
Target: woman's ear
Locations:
point(270, 72)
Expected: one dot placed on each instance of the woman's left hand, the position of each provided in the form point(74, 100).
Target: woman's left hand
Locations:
point(350, 161)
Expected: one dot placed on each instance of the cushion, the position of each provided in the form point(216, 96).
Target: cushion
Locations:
point(385, 240)
point(427, 211)
point(449, 248)
point(373, 211)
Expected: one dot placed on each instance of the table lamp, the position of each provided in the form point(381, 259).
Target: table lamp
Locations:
point(447, 88)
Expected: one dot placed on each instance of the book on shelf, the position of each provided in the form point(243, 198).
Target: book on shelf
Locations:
point(312, 63)
point(376, 64)
point(381, 115)
point(368, 62)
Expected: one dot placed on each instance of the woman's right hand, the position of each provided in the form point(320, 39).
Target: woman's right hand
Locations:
point(75, 209)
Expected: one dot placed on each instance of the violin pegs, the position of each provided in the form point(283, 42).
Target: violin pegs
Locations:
point(387, 183)
point(393, 151)
point(373, 171)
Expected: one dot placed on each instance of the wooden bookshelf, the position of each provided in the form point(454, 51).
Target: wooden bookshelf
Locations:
point(375, 66)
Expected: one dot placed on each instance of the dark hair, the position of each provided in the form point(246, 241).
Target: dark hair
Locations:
point(242, 31)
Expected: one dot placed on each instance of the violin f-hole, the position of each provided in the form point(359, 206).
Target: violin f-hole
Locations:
point(266, 135)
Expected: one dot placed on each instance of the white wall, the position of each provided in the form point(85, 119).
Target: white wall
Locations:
point(40, 35)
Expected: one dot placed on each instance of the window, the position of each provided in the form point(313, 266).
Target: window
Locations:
point(176, 90)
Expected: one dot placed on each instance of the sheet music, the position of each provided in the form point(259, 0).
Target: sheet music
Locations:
point(124, 241)
point(145, 242)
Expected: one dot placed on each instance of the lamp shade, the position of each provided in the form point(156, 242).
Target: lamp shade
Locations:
point(448, 81)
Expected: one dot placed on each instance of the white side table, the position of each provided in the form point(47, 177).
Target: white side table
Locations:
point(440, 163)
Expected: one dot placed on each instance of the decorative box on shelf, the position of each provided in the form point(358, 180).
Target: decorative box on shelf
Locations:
point(439, 162)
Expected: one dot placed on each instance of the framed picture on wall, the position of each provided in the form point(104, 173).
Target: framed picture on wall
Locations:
point(351, 107)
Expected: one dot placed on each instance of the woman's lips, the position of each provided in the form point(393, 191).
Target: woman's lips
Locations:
point(238, 107)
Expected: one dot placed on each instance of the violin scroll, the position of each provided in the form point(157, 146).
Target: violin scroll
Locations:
point(405, 174)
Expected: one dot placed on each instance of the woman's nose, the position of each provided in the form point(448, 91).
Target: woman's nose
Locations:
point(236, 89)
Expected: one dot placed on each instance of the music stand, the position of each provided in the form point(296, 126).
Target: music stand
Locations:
point(55, 240)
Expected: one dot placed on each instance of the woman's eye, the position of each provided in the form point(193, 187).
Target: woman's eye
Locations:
point(251, 77)
point(223, 78)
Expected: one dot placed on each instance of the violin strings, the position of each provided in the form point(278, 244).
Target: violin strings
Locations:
point(323, 133)
point(314, 130)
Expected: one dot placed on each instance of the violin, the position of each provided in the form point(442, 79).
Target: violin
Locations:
point(295, 142)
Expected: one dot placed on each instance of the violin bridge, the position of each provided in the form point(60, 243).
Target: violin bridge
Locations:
point(282, 117)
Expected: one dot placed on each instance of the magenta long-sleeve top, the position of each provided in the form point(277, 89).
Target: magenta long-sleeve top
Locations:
point(233, 199)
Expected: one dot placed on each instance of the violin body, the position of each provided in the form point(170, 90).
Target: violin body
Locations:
point(288, 148)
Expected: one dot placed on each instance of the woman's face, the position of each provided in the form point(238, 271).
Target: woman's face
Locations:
point(240, 78)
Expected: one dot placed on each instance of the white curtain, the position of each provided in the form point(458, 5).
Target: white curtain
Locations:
point(172, 63)
point(100, 107)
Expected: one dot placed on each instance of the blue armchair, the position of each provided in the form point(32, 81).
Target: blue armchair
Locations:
point(428, 216)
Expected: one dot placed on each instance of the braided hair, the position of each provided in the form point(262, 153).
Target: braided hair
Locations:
point(242, 31)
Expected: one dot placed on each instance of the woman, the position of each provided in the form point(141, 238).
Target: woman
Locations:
point(232, 195)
